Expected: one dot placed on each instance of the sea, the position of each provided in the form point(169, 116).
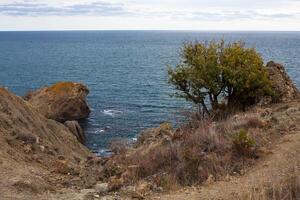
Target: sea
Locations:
point(125, 71)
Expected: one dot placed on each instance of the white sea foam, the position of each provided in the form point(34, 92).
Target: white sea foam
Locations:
point(102, 130)
point(99, 131)
point(112, 113)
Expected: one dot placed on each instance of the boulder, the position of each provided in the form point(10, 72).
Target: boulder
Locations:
point(75, 128)
point(63, 101)
point(282, 85)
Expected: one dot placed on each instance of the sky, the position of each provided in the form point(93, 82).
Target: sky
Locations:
point(267, 15)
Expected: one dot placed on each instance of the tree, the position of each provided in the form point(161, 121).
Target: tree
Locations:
point(212, 72)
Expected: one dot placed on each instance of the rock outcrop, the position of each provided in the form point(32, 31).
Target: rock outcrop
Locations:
point(64, 101)
point(21, 122)
point(33, 149)
point(282, 85)
point(75, 128)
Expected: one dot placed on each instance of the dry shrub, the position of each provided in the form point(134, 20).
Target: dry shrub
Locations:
point(158, 158)
point(203, 152)
point(192, 153)
point(255, 122)
point(167, 182)
point(251, 123)
point(168, 162)
point(241, 121)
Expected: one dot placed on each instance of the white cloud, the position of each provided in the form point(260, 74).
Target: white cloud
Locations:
point(150, 14)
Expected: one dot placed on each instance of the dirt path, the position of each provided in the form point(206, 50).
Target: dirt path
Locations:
point(283, 162)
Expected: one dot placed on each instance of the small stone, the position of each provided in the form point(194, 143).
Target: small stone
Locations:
point(101, 188)
point(42, 148)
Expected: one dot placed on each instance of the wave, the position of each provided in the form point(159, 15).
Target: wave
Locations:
point(112, 113)
point(99, 131)
point(102, 130)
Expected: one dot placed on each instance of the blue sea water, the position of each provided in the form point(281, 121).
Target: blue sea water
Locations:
point(124, 70)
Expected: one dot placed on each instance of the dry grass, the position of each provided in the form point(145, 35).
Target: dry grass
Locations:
point(286, 189)
point(189, 155)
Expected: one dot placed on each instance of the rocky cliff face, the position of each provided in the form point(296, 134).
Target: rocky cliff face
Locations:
point(64, 101)
point(22, 123)
point(33, 147)
point(282, 84)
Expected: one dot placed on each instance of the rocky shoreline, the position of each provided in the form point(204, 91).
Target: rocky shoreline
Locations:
point(42, 152)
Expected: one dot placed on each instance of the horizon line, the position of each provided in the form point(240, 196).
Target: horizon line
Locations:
point(171, 30)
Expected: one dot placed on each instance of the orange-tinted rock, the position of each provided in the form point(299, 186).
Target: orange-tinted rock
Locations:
point(64, 101)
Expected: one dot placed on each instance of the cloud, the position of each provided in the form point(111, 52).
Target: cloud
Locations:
point(237, 15)
point(102, 8)
point(98, 8)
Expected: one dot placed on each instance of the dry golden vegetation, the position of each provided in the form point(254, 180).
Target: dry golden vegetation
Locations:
point(268, 170)
point(201, 150)
point(286, 189)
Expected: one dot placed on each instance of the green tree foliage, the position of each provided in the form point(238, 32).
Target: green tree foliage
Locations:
point(212, 72)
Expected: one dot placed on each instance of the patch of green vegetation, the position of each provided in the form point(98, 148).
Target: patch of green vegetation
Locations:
point(243, 142)
point(218, 71)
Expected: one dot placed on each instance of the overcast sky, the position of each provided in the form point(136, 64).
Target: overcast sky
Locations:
point(280, 15)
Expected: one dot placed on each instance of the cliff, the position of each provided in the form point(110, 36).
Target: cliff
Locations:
point(37, 155)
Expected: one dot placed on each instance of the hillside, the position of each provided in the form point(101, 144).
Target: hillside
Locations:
point(276, 175)
point(38, 156)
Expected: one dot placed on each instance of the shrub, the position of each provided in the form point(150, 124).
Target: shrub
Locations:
point(244, 143)
point(188, 161)
point(217, 71)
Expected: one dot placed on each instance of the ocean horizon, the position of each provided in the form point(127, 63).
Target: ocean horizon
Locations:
point(125, 71)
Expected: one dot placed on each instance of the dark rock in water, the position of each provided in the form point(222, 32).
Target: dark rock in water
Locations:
point(75, 128)
point(282, 85)
point(64, 101)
